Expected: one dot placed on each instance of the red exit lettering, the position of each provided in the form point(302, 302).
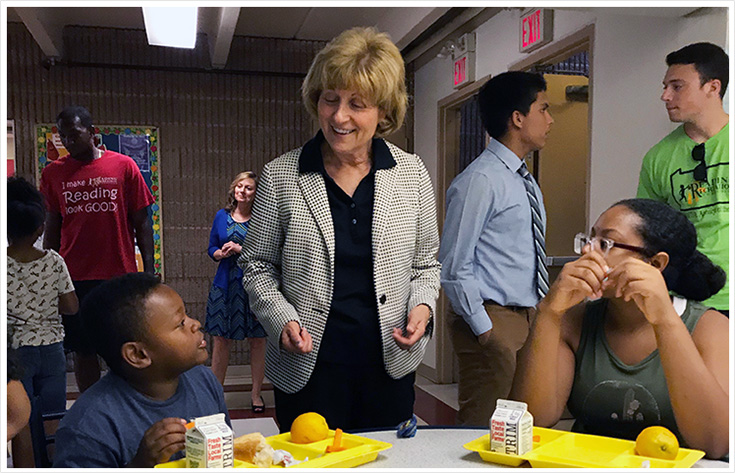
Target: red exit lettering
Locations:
point(460, 70)
point(531, 28)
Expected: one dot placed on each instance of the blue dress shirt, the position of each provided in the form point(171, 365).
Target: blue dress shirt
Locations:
point(487, 250)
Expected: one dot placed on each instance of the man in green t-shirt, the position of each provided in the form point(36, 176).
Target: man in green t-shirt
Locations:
point(689, 168)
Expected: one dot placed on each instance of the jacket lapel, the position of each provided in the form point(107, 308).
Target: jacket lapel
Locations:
point(315, 194)
point(384, 180)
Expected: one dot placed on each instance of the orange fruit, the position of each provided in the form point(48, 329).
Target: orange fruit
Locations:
point(657, 442)
point(309, 427)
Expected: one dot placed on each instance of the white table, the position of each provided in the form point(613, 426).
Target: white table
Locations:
point(265, 425)
point(443, 448)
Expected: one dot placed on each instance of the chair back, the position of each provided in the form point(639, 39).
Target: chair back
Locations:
point(40, 439)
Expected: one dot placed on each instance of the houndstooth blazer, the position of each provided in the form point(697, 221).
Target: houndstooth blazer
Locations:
point(288, 259)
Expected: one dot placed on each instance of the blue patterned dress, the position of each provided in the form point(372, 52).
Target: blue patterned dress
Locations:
point(228, 311)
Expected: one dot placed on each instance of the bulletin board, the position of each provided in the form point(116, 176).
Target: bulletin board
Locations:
point(138, 142)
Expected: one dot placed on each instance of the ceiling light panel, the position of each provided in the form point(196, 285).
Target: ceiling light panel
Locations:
point(174, 27)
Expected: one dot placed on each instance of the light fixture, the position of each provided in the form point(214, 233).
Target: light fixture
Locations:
point(447, 49)
point(454, 48)
point(175, 27)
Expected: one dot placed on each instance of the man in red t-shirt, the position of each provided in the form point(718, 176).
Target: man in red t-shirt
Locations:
point(97, 210)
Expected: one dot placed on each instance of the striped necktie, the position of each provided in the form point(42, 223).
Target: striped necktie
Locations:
point(542, 274)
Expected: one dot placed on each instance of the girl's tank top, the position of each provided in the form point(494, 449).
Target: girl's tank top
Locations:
point(612, 398)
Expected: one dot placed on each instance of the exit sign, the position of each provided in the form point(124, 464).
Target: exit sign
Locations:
point(463, 71)
point(536, 29)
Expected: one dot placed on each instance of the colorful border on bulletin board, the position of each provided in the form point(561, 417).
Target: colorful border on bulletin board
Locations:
point(49, 148)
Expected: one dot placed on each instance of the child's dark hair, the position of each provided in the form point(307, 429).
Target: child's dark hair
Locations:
point(504, 94)
point(68, 114)
point(26, 208)
point(689, 272)
point(709, 60)
point(113, 314)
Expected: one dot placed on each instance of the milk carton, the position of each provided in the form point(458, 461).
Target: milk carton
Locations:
point(209, 443)
point(511, 428)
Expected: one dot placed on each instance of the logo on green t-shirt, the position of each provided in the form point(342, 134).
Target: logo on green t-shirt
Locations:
point(691, 194)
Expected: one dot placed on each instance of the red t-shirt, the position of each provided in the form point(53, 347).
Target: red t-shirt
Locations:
point(96, 200)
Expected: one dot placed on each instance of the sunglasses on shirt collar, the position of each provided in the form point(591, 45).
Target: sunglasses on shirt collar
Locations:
point(700, 171)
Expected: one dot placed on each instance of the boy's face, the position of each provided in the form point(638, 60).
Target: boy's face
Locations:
point(173, 341)
point(537, 123)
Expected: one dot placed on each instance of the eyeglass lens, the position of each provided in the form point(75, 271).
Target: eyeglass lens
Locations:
point(581, 240)
point(700, 171)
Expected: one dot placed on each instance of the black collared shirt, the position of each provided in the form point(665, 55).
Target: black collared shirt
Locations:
point(352, 334)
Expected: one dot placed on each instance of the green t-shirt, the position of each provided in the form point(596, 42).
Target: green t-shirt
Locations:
point(667, 175)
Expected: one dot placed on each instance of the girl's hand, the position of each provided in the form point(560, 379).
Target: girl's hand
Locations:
point(577, 280)
point(643, 283)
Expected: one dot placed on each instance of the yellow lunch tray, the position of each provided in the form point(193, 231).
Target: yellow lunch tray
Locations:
point(358, 450)
point(561, 449)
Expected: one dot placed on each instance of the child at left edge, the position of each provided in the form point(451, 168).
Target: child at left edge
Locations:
point(39, 291)
point(135, 416)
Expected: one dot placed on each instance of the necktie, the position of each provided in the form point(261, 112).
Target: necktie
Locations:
point(542, 274)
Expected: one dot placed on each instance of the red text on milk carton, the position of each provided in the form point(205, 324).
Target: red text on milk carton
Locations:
point(511, 428)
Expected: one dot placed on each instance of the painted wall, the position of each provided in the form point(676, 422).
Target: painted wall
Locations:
point(497, 48)
point(212, 124)
point(628, 64)
point(628, 116)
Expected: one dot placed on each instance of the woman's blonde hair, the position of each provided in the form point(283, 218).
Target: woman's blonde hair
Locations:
point(231, 202)
point(365, 60)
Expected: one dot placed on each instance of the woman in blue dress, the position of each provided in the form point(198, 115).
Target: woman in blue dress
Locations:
point(228, 313)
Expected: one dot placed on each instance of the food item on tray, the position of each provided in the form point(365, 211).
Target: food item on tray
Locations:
point(511, 428)
point(336, 443)
point(253, 448)
point(657, 442)
point(309, 427)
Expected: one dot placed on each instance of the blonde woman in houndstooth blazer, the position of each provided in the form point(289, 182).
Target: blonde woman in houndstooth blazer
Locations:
point(340, 261)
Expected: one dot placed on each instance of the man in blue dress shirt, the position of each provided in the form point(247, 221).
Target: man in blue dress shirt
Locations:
point(488, 252)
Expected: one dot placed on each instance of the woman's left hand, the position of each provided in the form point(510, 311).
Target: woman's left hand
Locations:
point(415, 328)
point(643, 283)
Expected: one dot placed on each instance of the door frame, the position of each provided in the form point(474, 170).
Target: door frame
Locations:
point(581, 40)
point(448, 160)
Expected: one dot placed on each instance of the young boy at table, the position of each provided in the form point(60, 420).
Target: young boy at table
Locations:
point(135, 415)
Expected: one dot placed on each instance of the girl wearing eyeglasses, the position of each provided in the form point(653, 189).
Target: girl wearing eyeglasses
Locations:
point(623, 353)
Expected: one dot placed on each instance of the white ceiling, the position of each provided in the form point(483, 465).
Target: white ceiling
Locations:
point(404, 24)
point(220, 24)
point(308, 23)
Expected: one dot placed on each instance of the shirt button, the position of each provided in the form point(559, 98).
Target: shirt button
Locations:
point(352, 205)
point(354, 221)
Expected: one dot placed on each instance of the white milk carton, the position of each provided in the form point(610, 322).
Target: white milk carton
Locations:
point(511, 428)
point(209, 443)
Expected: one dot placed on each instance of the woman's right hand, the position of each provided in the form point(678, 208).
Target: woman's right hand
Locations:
point(295, 338)
point(228, 249)
point(579, 279)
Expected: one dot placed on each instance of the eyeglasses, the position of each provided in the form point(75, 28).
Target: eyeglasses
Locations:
point(700, 171)
point(604, 245)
